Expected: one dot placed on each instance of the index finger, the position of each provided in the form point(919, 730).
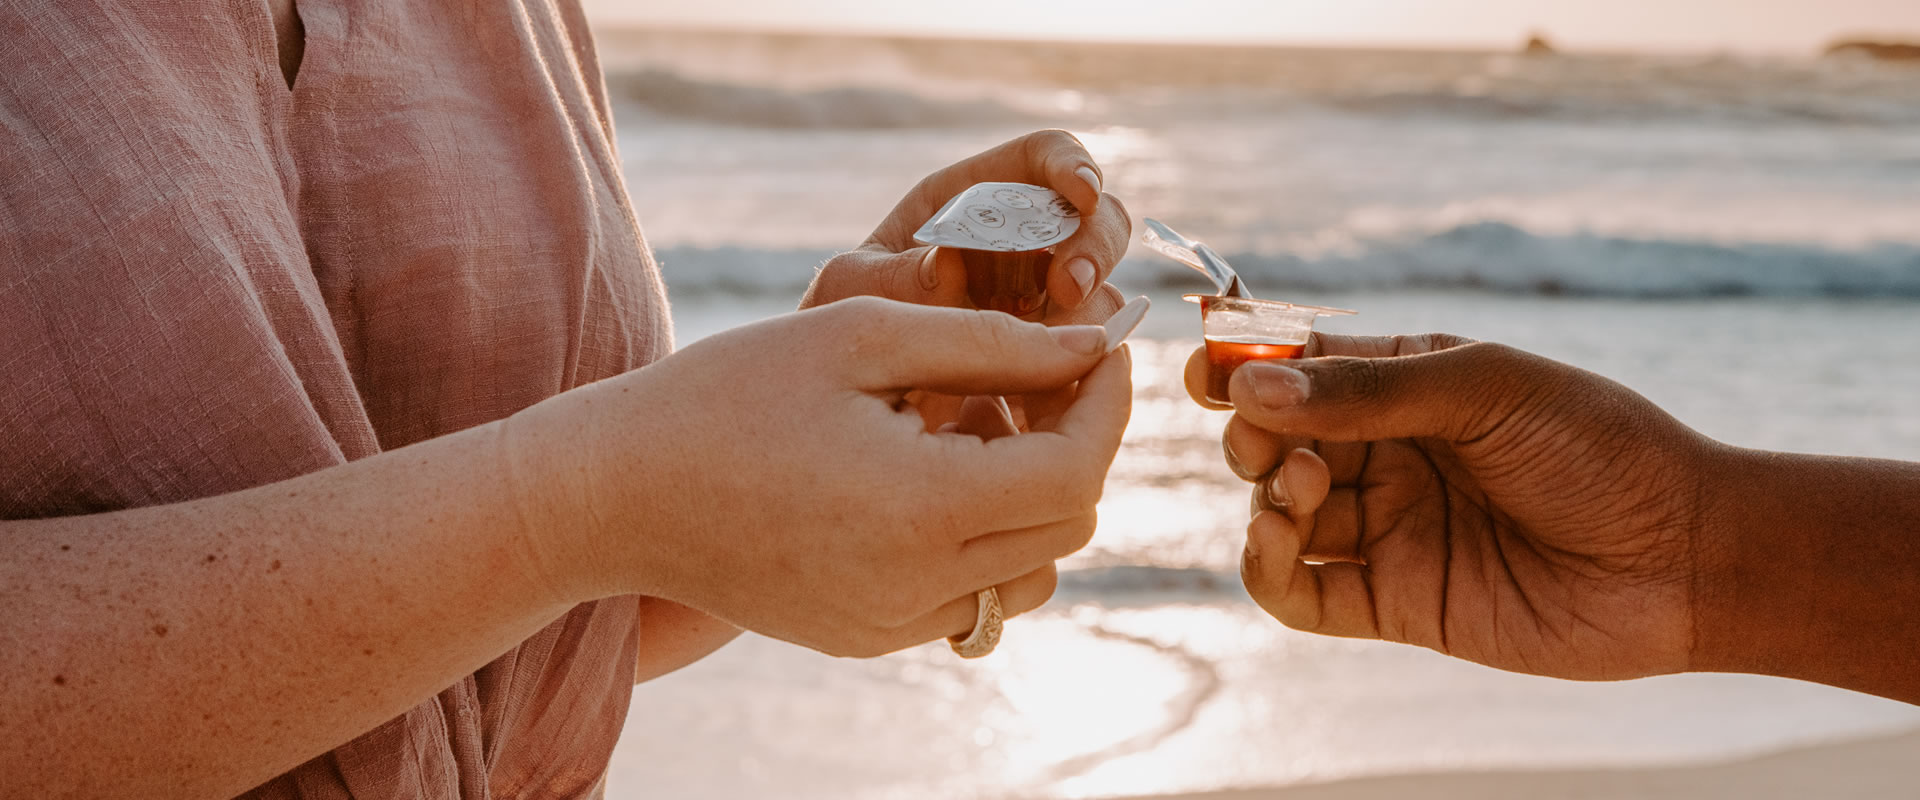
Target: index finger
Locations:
point(1055, 472)
point(1333, 344)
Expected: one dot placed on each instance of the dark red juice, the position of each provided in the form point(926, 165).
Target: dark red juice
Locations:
point(1015, 283)
point(1227, 354)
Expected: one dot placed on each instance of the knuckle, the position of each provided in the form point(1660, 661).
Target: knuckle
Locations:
point(864, 274)
point(1080, 532)
point(1358, 379)
point(1501, 381)
point(899, 276)
point(869, 322)
point(1255, 575)
point(1505, 366)
point(860, 311)
point(1055, 138)
point(992, 332)
point(1294, 619)
point(1084, 495)
point(1407, 345)
point(1044, 588)
point(1121, 216)
point(1447, 341)
point(841, 263)
point(1495, 354)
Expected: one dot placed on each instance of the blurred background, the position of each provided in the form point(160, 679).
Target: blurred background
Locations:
point(1715, 202)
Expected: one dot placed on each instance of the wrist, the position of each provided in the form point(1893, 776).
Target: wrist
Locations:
point(1727, 562)
point(1806, 571)
point(537, 508)
point(578, 540)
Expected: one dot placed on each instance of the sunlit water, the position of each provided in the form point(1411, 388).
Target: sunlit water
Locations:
point(1738, 240)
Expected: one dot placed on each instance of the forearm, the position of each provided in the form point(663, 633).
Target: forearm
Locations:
point(1810, 569)
point(198, 649)
point(673, 636)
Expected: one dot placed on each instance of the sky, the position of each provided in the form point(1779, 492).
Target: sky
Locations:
point(1739, 25)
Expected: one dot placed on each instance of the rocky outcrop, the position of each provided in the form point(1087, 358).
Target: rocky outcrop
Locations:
point(1875, 50)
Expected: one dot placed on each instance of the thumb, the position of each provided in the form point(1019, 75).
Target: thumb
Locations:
point(985, 416)
point(1458, 394)
point(933, 276)
point(900, 346)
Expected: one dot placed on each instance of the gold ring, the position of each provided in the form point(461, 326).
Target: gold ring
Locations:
point(986, 627)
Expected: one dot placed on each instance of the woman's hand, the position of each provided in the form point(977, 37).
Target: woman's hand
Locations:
point(1489, 504)
point(774, 476)
point(891, 264)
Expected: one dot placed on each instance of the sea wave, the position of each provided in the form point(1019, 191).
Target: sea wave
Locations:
point(855, 82)
point(1498, 256)
point(1487, 255)
point(671, 94)
point(868, 106)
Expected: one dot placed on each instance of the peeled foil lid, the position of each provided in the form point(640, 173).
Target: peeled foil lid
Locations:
point(1005, 217)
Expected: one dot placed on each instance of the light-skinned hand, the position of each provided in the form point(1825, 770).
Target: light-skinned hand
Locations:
point(891, 264)
point(775, 476)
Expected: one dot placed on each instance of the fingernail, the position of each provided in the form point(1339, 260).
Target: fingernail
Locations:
point(1083, 339)
point(1253, 546)
point(1276, 488)
point(1233, 462)
point(1276, 387)
point(1092, 178)
point(1123, 322)
point(929, 272)
point(1082, 273)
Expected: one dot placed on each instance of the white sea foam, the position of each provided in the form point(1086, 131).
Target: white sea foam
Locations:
point(1488, 256)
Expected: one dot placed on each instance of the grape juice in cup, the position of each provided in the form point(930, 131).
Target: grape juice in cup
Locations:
point(1241, 329)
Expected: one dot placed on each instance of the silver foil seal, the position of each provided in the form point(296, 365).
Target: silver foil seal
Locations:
point(1002, 217)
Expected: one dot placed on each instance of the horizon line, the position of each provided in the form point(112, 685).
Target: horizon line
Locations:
point(1477, 46)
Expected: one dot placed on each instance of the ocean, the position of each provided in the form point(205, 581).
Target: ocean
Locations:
point(1738, 238)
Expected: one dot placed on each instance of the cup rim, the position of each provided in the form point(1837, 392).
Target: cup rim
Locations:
point(1277, 305)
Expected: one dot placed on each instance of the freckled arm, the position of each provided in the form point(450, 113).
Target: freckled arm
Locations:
point(199, 649)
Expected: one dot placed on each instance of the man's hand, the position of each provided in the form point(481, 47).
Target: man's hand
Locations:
point(1489, 504)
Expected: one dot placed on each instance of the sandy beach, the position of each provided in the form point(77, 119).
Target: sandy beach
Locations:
point(1874, 768)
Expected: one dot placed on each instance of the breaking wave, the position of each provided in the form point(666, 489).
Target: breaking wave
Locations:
point(1490, 256)
point(671, 94)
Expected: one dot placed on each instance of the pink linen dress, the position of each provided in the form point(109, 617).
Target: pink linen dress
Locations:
point(210, 281)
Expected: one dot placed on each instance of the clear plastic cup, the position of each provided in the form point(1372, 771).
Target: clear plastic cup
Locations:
point(1014, 283)
point(1241, 329)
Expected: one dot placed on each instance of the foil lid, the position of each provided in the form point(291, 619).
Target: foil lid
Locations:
point(1002, 217)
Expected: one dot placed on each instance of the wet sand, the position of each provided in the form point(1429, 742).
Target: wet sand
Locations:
point(1874, 769)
